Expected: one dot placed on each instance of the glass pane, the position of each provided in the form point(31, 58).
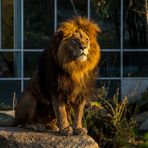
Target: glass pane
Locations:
point(110, 64)
point(25, 83)
point(30, 62)
point(66, 9)
point(133, 89)
point(38, 23)
point(107, 15)
point(110, 87)
point(135, 64)
point(7, 89)
point(10, 64)
point(7, 24)
point(136, 24)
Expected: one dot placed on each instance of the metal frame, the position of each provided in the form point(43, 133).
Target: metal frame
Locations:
point(121, 47)
point(0, 24)
point(121, 41)
point(22, 44)
point(19, 39)
point(88, 9)
point(55, 15)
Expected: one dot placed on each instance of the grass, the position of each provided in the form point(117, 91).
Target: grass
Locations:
point(107, 122)
point(145, 144)
point(5, 107)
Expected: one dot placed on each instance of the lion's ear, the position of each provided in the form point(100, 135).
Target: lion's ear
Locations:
point(92, 30)
point(99, 29)
point(58, 36)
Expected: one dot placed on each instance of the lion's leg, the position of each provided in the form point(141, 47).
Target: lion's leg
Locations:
point(36, 127)
point(25, 114)
point(42, 124)
point(52, 125)
point(78, 109)
point(61, 115)
point(25, 109)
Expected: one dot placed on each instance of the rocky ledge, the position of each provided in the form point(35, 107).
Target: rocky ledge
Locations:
point(22, 138)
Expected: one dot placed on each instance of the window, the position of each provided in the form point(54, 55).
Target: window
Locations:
point(107, 14)
point(109, 64)
point(30, 63)
point(27, 25)
point(38, 23)
point(135, 25)
point(135, 64)
point(66, 9)
point(7, 21)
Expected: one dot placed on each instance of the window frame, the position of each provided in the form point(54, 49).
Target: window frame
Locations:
point(19, 42)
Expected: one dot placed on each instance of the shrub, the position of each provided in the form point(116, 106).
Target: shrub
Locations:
point(106, 120)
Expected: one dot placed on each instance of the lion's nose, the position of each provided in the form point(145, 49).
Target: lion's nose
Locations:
point(82, 47)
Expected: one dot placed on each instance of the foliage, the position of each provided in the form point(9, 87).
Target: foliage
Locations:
point(145, 95)
point(145, 145)
point(142, 104)
point(5, 107)
point(105, 8)
point(107, 123)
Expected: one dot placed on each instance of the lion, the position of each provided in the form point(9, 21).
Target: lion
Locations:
point(63, 80)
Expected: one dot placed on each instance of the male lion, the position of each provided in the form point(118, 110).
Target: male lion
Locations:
point(64, 79)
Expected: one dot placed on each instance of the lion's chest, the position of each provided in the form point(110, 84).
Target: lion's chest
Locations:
point(72, 88)
point(78, 89)
point(73, 97)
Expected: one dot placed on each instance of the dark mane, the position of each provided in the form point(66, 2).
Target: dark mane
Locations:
point(59, 84)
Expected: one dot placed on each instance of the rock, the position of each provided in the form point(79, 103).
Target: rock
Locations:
point(140, 118)
point(144, 126)
point(22, 138)
point(8, 112)
point(7, 118)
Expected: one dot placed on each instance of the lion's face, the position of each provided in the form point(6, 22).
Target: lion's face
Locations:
point(77, 50)
point(75, 47)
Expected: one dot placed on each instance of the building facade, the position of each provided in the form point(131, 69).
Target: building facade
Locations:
point(26, 27)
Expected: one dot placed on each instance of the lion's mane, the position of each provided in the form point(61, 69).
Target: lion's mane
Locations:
point(57, 79)
point(68, 81)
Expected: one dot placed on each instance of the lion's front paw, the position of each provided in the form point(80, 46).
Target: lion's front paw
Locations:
point(66, 131)
point(36, 127)
point(80, 131)
point(53, 128)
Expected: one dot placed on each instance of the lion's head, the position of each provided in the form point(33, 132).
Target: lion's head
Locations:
point(78, 50)
point(74, 47)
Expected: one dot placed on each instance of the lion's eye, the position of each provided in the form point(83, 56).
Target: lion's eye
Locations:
point(74, 41)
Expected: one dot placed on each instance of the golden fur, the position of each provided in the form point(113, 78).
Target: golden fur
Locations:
point(64, 79)
point(76, 68)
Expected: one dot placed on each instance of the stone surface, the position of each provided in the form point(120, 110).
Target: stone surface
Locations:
point(7, 118)
point(8, 112)
point(22, 138)
point(144, 126)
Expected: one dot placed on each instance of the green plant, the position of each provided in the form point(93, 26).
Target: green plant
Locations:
point(5, 106)
point(143, 102)
point(145, 95)
point(106, 120)
point(145, 143)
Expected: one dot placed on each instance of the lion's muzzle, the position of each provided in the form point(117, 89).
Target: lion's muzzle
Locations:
point(81, 54)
